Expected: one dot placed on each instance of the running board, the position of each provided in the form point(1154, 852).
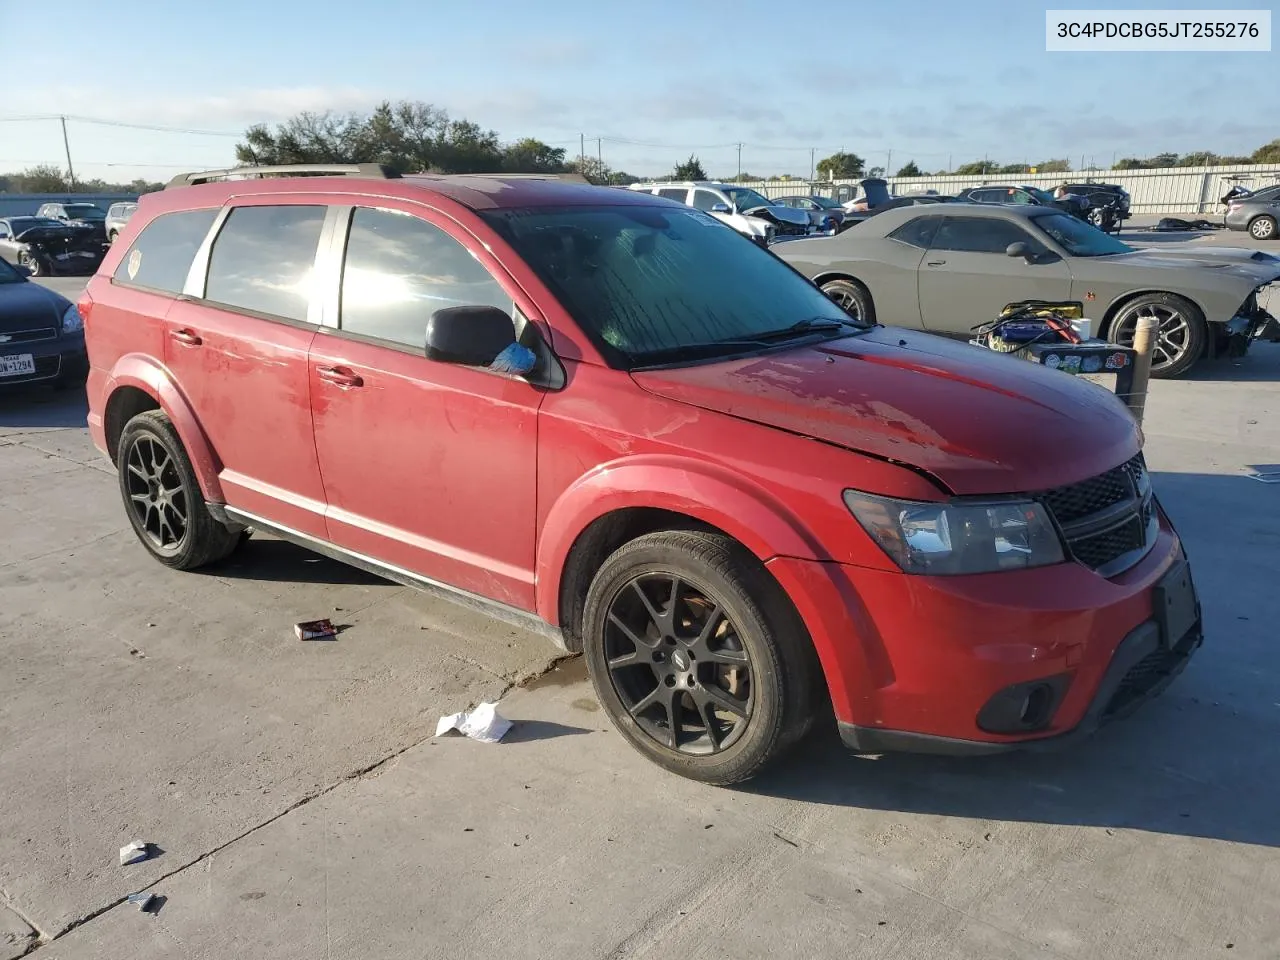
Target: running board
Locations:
point(512, 616)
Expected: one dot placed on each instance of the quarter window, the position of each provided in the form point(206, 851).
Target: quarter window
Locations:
point(918, 232)
point(399, 270)
point(264, 259)
point(161, 255)
point(979, 235)
point(672, 194)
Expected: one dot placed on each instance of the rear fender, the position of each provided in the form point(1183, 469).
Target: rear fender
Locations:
point(144, 373)
point(700, 491)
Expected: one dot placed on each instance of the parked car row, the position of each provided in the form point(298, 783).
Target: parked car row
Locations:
point(1254, 211)
point(747, 507)
point(749, 212)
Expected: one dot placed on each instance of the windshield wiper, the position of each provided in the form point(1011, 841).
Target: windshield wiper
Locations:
point(811, 325)
point(769, 338)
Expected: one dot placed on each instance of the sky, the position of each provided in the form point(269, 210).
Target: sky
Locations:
point(933, 81)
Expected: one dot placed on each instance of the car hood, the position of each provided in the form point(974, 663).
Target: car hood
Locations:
point(785, 214)
point(978, 421)
point(46, 233)
point(25, 306)
point(1256, 266)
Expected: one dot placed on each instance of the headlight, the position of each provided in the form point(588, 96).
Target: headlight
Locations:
point(71, 320)
point(958, 537)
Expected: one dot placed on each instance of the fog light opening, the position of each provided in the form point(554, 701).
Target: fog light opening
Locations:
point(1035, 705)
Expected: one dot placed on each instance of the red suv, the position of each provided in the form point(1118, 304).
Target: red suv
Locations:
point(605, 415)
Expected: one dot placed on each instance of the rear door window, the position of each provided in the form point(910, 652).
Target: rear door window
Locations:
point(399, 270)
point(706, 199)
point(161, 255)
point(263, 260)
point(674, 194)
point(980, 235)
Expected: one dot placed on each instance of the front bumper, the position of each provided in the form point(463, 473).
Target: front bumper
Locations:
point(1251, 323)
point(911, 662)
point(61, 359)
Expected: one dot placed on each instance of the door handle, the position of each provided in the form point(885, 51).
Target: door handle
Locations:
point(189, 337)
point(339, 377)
point(935, 263)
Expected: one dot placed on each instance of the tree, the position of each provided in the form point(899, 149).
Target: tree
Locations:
point(1130, 163)
point(691, 169)
point(1014, 168)
point(532, 156)
point(1163, 160)
point(42, 178)
point(975, 168)
point(841, 166)
point(599, 173)
point(876, 172)
point(1201, 158)
point(909, 169)
point(1267, 153)
point(1053, 166)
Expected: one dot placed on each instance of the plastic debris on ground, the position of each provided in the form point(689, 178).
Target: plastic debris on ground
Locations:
point(482, 723)
point(134, 852)
point(143, 900)
point(314, 630)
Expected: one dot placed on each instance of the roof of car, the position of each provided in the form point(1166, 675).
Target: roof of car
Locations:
point(896, 216)
point(474, 191)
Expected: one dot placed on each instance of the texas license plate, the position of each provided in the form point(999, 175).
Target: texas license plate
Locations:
point(16, 365)
point(1176, 606)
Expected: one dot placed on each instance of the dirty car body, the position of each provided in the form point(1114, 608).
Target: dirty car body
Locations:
point(947, 268)
point(49, 246)
point(737, 503)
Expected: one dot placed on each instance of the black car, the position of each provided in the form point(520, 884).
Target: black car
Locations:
point(990, 193)
point(46, 247)
point(41, 334)
point(79, 214)
point(1108, 203)
point(909, 200)
point(824, 213)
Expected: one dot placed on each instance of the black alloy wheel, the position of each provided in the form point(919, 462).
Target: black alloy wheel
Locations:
point(156, 494)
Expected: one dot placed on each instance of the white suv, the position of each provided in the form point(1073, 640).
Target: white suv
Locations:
point(750, 213)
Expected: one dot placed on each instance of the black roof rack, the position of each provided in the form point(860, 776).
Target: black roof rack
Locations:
point(375, 171)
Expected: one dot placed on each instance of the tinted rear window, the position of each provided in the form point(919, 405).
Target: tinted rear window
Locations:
point(162, 254)
point(263, 259)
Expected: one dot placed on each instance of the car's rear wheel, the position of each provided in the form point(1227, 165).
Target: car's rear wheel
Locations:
point(852, 297)
point(697, 655)
point(1181, 334)
point(1262, 228)
point(162, 498)
point(111, 236)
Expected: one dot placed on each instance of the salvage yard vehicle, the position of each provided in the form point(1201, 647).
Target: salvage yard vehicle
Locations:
point(596, 413)
point(1075, 205)
point(118, 215)
point(86, 215)
point(949, 267)
point(41, 334)
point(750, 213)
point(1108, 203)
point(824, 213)
point(1257, 212)
point(46, 247)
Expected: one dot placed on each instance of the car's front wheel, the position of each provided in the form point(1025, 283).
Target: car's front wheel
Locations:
point(1262, 228)
point(1181, 332)
point(852, 297)
point(697, 655)
point(162, 497)
point(35, 265)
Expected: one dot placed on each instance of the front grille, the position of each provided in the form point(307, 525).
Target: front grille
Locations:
point(1148, 675)
point(1105, 518)
point(28, 336)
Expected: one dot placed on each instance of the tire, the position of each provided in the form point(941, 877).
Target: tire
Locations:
point(755, 656)
point(1174, 354)
point(111, 237)
point(35, 266)
point(1263, 228)
point(172, 522)
point(853, 298)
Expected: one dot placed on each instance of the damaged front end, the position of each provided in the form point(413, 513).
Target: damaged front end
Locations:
point(1251, 322)
point(61, 249)
point(786, 221)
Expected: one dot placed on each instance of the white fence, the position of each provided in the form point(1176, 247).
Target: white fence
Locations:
point(1167, 190)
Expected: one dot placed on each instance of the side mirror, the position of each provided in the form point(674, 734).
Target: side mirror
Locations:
point(1019, 249)
point(720, 208)
point(471, 336)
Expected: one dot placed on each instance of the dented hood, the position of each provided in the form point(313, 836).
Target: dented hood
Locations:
point(980, 422)
point(779, 213)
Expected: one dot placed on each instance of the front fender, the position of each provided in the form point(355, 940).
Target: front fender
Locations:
point(145, 374)
point(703, 492)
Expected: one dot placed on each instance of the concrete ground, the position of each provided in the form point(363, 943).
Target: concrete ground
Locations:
point(303, 809)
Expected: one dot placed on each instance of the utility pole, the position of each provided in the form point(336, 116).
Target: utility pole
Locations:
point(888, 163)
point(66, 144)
point(811, 154)
point(582, 150)
point(739, 163)
point(600, 153)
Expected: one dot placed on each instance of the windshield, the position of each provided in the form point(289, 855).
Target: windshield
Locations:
point(1044, 196)
point(1078, 238)
point(652, 285)
point(86, 211)
point(826, 202)
point(744, 199)
point(8, 274)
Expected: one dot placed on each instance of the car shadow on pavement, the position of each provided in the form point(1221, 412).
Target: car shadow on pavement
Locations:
point(1199, 760)
point(1260, 365)
point(42, 408)
point(268, 559)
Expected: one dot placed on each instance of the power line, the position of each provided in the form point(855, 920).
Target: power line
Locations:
point(98, 121)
